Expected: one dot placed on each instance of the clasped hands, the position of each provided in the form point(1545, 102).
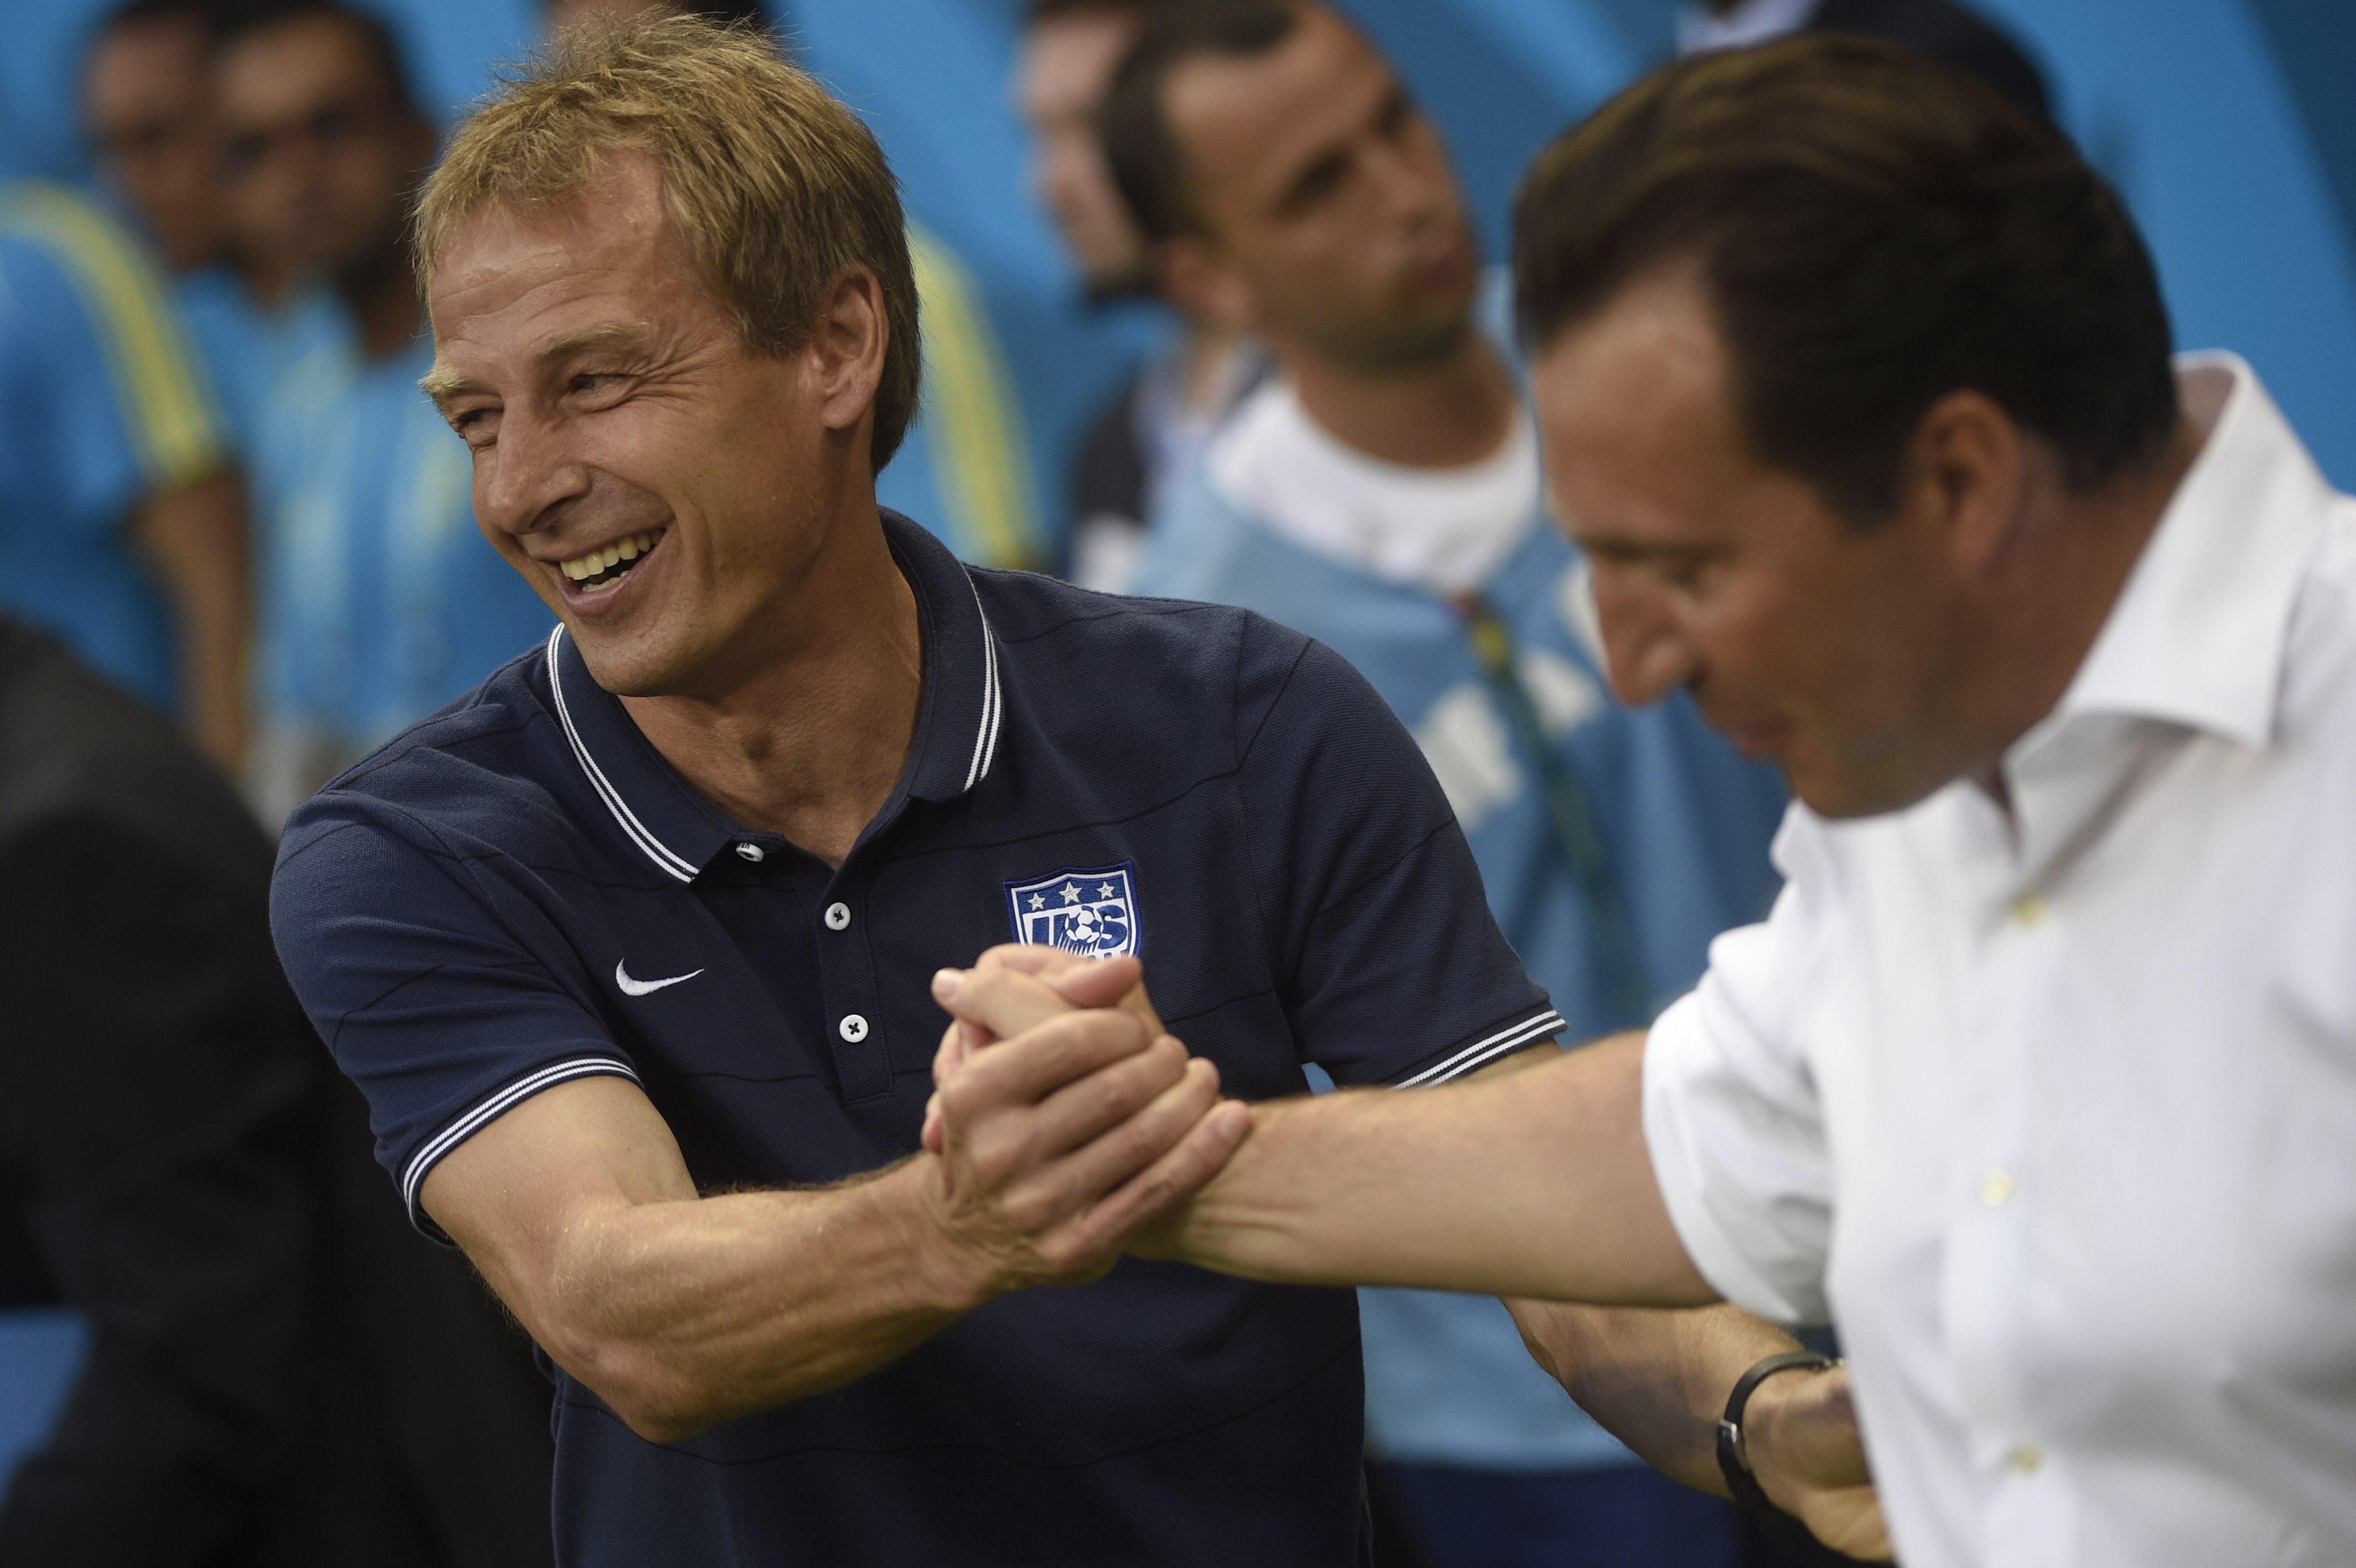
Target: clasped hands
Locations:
point(1087, 1124)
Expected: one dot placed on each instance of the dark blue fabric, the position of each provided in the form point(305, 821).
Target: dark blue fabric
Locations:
point(456, 911)
point(1622, 1517)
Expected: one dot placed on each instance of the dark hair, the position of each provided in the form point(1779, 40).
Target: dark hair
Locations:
point(1874, 231)
point(236, 21)
point(1147, 163)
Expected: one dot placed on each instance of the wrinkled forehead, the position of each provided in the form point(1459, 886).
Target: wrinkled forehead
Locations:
point(516, 270)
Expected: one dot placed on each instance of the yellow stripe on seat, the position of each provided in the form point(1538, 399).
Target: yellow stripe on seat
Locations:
point(166, 404)
point(972, 424)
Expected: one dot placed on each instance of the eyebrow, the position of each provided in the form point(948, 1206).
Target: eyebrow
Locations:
point(440, 383)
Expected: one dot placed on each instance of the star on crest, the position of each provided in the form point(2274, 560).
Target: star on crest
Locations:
point(1104, 890)
point(1038, 900)
point(1071, 892)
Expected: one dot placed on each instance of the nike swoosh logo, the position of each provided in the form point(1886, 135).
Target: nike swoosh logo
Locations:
point(640, 988)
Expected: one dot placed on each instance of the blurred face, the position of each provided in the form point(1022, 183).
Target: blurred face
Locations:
point(322, 155)
point(147, 104)
point(1802, 638)
point(641, 467)
point(1066, 68)
point(1329, 199)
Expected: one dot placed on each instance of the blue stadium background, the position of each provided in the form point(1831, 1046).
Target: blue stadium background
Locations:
point(2230, 125)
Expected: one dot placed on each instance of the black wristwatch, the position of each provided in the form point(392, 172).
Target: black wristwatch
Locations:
point(1734, 1461)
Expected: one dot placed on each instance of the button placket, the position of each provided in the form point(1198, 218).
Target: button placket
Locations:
point(854, 1011)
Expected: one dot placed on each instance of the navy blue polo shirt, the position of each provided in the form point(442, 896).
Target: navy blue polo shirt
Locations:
point(521, 890)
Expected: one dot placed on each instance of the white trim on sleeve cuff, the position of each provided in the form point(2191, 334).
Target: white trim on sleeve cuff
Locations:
point(487, 1110)
point(1481, 1052)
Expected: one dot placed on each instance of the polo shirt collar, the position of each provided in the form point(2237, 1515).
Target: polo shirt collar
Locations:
point(956, 741)
point(2197, 637)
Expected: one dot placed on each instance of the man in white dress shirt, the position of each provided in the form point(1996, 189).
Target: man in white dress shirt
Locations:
point(2040, 1078)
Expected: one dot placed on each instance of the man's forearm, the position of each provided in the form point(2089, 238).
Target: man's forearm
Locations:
point(1656, 1380)
point(1533, 1183)
point(684, 1314)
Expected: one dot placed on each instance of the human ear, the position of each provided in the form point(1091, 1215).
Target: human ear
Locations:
point(846, 348)
point(1192, 274)
point(1969, 474)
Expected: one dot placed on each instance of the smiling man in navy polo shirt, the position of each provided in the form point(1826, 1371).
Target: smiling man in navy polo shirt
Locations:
point(629, 948)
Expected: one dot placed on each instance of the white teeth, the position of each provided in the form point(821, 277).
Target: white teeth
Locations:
point(583, 566)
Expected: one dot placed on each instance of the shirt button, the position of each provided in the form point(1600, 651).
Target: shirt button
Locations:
point(853, 1027)
point(750, 851)
point(838, 917)
point(2028, 910)
point(1996, 1189)
point(2025, 1457)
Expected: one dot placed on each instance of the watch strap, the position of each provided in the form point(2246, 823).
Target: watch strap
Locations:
point(1734, 1458)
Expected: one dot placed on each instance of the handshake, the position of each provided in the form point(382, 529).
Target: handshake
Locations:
point(1068, 1128)
point(1080, 1132)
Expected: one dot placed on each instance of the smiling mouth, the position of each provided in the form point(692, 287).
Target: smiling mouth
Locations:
point(600, 569)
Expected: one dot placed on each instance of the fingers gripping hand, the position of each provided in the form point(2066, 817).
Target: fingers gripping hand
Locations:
point(1810, 1459)
point(1080, 1127)
point(977, 1021)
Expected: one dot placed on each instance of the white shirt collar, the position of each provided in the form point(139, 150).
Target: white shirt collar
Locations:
point(2197, 635)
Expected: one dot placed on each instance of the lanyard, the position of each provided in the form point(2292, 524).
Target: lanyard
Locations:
point(1576, 837)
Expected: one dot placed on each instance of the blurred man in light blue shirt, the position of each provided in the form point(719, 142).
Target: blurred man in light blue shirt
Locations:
point(382, 600)
point(1381, 492)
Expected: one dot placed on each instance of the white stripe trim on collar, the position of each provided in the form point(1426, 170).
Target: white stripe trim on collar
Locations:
point(985, 739)
point(1529, 1032)
point(639, 834)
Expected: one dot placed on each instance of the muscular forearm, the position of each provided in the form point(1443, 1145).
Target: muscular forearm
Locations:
point(689, 1313)
point(684, 1311)
point(1532, 1183)
point(1656, 1380)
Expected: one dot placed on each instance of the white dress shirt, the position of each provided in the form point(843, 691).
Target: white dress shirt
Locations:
point(2054, 1114)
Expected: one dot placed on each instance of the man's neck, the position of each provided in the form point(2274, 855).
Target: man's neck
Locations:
point(2063, 590)
point(381, 293)
point(1448, 413)
point(811, 742)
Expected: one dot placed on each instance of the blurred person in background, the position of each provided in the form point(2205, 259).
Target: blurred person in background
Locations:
point(1942, 30)
point(280, 1374)
point(1382, 492)
point(382, 600)
point(150, 115)
point(1152, 431)
point(121, 511)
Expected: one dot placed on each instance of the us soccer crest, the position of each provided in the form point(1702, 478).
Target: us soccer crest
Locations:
point(1092, 912)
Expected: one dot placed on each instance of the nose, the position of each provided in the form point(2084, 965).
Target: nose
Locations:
point(523, 479)
point(1646, 650)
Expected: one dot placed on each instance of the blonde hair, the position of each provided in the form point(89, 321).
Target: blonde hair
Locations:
point(778, 188)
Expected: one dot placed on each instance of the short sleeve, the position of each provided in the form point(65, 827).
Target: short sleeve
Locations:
point(436, 978)
point(1734, 1125)
point(1391, 968)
